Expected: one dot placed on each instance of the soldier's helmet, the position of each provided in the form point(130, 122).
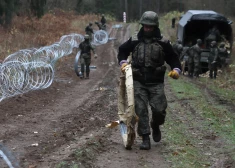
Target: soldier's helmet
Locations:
point(149, 18)
point(86, 36)
point(199, 41)
point(213, 43)
point(90, 24)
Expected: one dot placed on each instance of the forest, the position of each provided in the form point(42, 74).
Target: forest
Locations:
point(114, 8)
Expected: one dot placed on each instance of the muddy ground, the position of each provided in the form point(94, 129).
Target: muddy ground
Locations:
point(65, 124)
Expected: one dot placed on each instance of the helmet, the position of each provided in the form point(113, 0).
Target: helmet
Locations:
point(149, 18)
point(213, 43)
point(90, 24)
point(102, 15)
point(86, 36)
point(199, 41)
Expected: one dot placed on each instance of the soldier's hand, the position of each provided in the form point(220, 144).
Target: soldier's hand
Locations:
point(174, 74)
point(123, 66)
point(95, 56)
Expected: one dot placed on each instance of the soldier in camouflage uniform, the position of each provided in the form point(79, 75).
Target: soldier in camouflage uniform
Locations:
point(178, 47)
point(223, 54)
point(89, 31)
point(213, 60)
point(103, 20)
point(85, 57)
point(194, 67)
point(149, 51)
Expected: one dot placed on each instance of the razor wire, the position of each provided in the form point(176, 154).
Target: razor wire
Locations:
point(33, 69)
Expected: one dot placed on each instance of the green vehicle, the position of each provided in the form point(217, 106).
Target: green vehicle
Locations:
point(195, 24)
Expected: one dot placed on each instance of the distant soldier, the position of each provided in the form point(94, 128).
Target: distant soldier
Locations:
point(184, 53)
point(223, 54)
point(194, 59)
point(85, 58)
point(89, 31)
point(213, 35)
point(213, 60)
point(178, 47)
point(103, 20)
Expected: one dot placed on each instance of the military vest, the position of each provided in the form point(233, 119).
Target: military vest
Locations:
point(148, 55)
point(85, 48)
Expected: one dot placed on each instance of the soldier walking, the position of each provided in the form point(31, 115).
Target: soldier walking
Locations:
point(89, 31)
point(149, 51)
point(85, 58)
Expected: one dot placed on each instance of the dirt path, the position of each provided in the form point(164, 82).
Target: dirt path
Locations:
point(45, 128)
point(64, 125)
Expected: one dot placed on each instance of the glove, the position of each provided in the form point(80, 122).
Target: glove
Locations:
point(213, 62)
point(174, 74)
point(123, 66)
point(95, 56)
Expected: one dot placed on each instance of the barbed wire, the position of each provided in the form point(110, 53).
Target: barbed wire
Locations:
point(33, 69)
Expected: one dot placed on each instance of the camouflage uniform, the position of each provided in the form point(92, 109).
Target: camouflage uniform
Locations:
point(178, 47)
point(194, 59)
point(103, 20)
point(85, 58)
point(149, 54)
point(223, 54)
point(213, 60)
point(89, 31)
point(213, 35)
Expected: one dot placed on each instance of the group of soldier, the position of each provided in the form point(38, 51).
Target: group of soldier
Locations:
point(86, 48)
point(217, 56)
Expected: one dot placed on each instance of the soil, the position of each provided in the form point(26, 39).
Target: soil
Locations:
point(66, 122)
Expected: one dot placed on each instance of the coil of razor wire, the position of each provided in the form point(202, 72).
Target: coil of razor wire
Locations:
point(33, 69)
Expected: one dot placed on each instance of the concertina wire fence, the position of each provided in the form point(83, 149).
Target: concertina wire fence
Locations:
point(33, 69)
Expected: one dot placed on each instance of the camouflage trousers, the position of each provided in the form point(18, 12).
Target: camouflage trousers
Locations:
point(85, 62)
point(154, 96)
point(212, 69)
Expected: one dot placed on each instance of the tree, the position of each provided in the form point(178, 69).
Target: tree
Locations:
point(7, 9)
point(37, 7)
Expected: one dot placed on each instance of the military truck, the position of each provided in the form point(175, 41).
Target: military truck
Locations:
point(195, 24)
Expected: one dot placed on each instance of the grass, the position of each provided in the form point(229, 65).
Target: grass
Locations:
point(210, 118)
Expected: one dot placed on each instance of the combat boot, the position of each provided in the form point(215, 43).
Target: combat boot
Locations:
point(157, 135)
point(146, 145)
point(81, 76)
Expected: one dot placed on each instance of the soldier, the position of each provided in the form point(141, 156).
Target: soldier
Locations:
point(89, 31)
point(149, 51)
point(194, 58)
point(223, 54)
point(213, 60)
point(184, 53)
point(103, 20)
point(178, 47)
point(196, 51)
point(85, 58)
point(212, 35)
